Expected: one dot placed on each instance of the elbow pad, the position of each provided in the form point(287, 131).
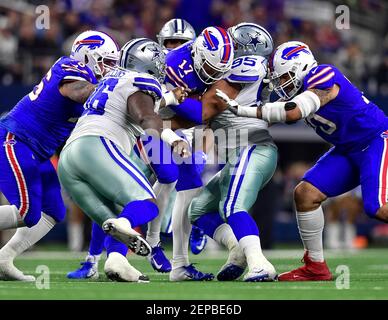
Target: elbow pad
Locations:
point(274, 112)
point(308, 103)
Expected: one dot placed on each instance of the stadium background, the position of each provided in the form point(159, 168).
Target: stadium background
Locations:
point(360, 52)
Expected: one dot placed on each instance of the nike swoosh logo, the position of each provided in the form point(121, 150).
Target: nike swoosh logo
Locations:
point(244, 71)
point(202, 243)
point(158, 266)
point(313, 72)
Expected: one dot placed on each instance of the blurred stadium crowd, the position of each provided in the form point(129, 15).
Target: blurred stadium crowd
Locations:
point(361, 52)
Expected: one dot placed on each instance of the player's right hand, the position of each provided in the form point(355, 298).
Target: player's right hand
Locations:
point(182, 148)
point(230, 103)
point(267, 90)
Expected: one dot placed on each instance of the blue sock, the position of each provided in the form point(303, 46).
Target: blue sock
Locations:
point(112, 245)
point(97, 240)
point(209, 222)
point(139, 212)
point(243, 225)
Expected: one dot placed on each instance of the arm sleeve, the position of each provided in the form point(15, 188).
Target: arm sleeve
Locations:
point(190, 109)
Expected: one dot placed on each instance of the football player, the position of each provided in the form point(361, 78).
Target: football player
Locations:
point(119, 197)
point(30, 134)
point(344, 117)
point(194, 66)
point(250, 164)
point(174, 33)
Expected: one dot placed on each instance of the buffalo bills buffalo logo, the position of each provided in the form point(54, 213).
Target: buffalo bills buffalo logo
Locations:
point(292, 52)
point(91, 42)
point(211, 42)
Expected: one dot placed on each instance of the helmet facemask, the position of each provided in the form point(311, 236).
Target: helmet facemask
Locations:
point(206, 72)
point(286, 85)
point(102, 64)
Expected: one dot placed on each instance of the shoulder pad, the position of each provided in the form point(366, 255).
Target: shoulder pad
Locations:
point(148, 84)
point(247, 69)
point(72, 69)
point(320, 77)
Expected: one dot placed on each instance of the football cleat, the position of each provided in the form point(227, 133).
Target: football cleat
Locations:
point(311, 271)
point(121, 230)
point(8, 272)
point(230, 272)
point(88, 270)
point(266, 274)
point(234, 266)
point(158, 260)
point(117, 268)
point(198, 240)
point(189, 273)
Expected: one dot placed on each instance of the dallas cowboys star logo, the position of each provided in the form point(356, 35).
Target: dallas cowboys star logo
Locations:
point(156, 53)
point(254, 40)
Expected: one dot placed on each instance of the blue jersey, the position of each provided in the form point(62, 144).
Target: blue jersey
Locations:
point(180, 69)
point(44, 118)
point(350, 121)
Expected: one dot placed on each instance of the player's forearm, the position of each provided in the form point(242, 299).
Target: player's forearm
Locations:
point(190, 109)
point(78, 91)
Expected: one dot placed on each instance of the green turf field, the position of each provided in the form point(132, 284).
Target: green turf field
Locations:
point(368, 279)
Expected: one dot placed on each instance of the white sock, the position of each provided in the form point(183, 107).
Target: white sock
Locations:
point(10, 217)
point(26, 237)
point(181, 227)
point(162, 192)
point(333, 235)
point(224, 235)
point(310, 226)
point(251, 247)
point(75, 234)
point(350, 233)
point(93, 259)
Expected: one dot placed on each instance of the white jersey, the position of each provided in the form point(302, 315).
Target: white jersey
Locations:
point(106, 112)
point(249, 72)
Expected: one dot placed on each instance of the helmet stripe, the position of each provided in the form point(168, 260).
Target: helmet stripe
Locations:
point(295, 50)
point(176, 25)
point(227, 46)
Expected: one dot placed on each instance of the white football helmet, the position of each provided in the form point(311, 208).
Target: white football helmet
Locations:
point(176, 29)
point(213, 54)
point(97, 50)
point(292, 58)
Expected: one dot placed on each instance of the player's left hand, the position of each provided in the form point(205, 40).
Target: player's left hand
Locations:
point(231, 104)
point(182, 148)
point(181, 93)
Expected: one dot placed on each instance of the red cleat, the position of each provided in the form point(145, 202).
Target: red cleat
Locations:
point(311, 271)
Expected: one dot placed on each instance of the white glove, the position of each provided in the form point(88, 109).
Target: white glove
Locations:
point(233, 106)
point(267, 91)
